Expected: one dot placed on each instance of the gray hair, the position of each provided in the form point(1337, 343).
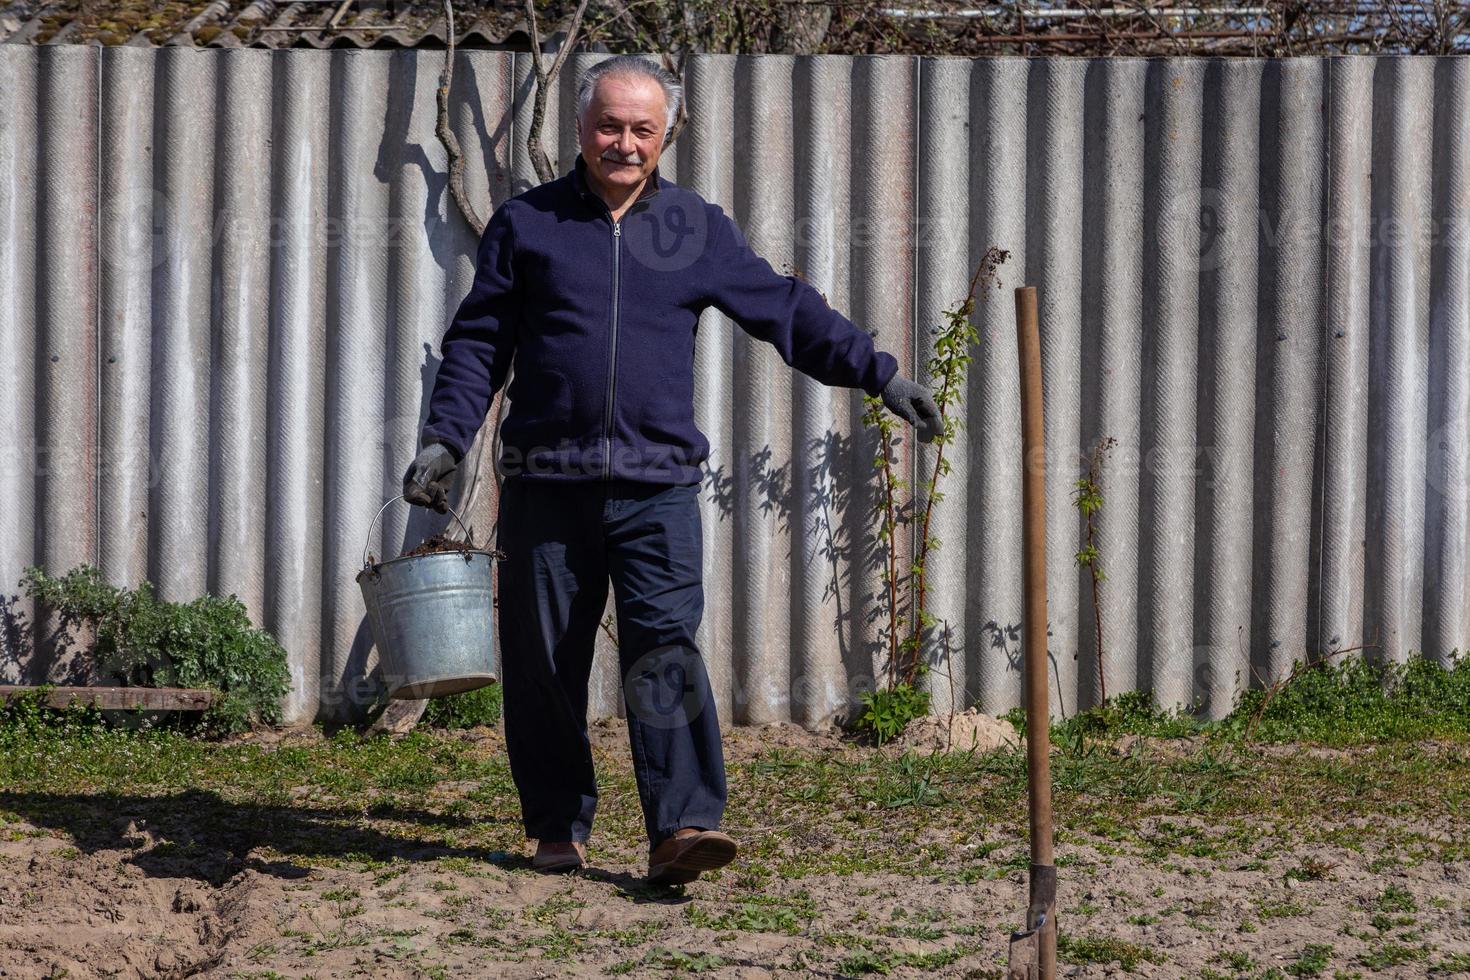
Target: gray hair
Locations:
point(627, 65)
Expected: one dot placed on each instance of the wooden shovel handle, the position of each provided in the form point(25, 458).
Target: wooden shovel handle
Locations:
point(1042, 910)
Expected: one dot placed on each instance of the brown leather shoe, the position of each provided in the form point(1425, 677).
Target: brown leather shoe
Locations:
point(681, 858)
point(559, 855)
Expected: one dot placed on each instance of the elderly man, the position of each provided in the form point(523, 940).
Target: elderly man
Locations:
point(594, 283)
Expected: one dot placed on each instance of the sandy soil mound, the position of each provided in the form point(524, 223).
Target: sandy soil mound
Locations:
point(958, 732)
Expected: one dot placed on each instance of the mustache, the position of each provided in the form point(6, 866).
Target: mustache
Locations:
point(635, 158)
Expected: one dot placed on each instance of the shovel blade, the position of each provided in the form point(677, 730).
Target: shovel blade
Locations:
point(1025, 956)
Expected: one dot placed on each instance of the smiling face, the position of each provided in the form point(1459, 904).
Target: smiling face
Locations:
point(622, 133)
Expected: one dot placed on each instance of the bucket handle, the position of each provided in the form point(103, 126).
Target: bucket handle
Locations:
point(469, 535)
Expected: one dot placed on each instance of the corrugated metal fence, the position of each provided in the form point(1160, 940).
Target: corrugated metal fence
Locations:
point(224, 274)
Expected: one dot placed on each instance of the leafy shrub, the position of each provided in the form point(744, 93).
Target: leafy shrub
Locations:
point(1129, 713)
point(1358, 700)
point(888, 711)
point(145, 642)
point(478, 707)
point(1351, 701)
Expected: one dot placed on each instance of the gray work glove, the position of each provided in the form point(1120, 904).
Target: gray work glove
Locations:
point(912, 402)
point(424, 483)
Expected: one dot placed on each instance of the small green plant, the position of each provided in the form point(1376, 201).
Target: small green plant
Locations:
point(1312, 962)
point(1454, 963)
point(1129, 713)
point(749, 917)
point(1106, 949)
point(1088, 497)
point(478, 707)
point(905, 592)
point(910, 784)
point(1237, 960)
point(678, 959)
point(1279, 910)
point(1396, 899)
point(888, 711)
point(1311, 869)
point(1392, 954)
point(145, 642)
point(882, 962)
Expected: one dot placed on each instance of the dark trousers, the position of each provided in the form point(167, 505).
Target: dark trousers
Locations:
point(563, 541)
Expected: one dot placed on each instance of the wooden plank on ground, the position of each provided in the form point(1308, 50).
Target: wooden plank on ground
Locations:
point(398, 718)
point(116, 698)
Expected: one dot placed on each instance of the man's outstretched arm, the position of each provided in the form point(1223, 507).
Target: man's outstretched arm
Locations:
point(810, 336)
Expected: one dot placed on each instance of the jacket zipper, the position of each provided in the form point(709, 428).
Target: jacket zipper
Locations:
point(612, 359)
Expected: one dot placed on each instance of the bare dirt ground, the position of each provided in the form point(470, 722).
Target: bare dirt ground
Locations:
point(296, 855)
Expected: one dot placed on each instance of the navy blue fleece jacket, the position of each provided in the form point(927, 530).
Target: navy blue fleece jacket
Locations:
point(600, 318)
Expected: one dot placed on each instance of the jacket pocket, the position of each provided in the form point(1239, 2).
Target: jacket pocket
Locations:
point(540, 408)
point(668, 409)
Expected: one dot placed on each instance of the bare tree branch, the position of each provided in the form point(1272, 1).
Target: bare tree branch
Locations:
point(677, 67)
point(445, 132)
point(545, 172)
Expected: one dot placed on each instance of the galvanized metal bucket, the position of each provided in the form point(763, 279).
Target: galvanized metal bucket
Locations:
point(432, 618)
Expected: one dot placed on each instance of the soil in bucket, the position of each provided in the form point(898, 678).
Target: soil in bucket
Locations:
point(442, 543)
point(438, 544)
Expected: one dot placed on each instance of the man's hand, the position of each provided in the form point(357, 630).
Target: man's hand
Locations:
point(423, 484)
point(912, 402)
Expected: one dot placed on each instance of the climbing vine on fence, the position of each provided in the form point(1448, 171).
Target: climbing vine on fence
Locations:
point(905, 596)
